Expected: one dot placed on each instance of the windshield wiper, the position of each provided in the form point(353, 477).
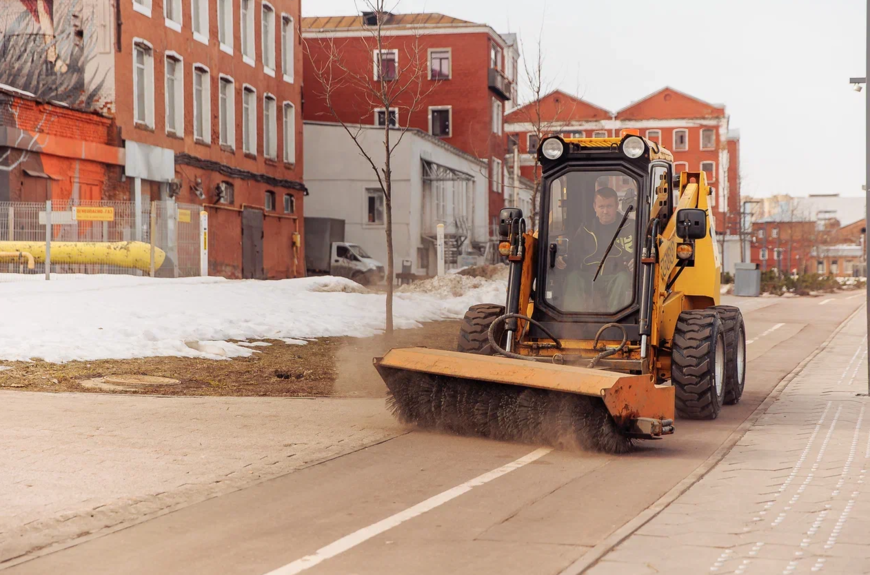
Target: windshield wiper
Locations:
point(612, 241)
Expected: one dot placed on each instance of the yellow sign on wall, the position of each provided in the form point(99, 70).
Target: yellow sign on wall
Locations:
point(184, 216)
point(93, 214)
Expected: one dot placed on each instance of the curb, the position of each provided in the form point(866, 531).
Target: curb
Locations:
point(594, 555)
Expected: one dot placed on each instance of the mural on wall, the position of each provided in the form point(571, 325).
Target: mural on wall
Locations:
point(45, 46)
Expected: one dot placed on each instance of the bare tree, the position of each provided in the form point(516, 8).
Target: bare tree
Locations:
point(394, 89)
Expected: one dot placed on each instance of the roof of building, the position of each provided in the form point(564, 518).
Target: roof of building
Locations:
point(843, 250)
point(845, 209)
point(574, 109)
point(696, 107)
point(431, 19)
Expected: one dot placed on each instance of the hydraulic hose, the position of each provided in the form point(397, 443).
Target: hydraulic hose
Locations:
point(500, 320)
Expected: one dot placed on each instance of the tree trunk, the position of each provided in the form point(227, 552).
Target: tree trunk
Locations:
point(388, 205)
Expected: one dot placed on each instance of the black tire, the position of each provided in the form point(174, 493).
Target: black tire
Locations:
point(735, 352)
point(473, 334)
point(698, 364)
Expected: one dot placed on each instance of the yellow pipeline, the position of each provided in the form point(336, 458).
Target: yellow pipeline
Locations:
point(135, 255)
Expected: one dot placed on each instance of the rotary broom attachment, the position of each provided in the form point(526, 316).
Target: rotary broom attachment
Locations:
point(512, 400)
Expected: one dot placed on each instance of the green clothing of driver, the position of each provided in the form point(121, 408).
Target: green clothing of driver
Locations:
point(612, 290)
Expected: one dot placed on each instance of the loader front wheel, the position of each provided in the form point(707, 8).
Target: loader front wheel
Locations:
point(735, 352)
point(473, 334)
point(698, 364)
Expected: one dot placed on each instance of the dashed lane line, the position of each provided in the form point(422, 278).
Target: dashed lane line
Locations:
point(765, 334)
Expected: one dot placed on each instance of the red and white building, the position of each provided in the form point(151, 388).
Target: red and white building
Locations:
point(470, 78)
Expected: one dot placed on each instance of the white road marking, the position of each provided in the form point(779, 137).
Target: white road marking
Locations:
point(827, 301)
point(854, 296)
point(768, 332)
point(366, 533)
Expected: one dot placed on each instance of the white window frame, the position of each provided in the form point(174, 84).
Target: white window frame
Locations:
point(247, 33)
point(376, 63)
point(712, 147)
point(292, 198)
point(449, 63)
point(202, 17)
point(231, 112)
point(762, 254)
point(449, 109)
point(649, 135)
point(177, 8)
point(774, 233)
point(270, 129)
point(250, 120)
point(713, 171)
point(497, 176)
point(289, 123)
point(270, 194)
point(179, 92)
point(686, 132)
point(379, 195)
point(288, 48)
point(497, 116)
point(596, 133)
point(821, 267)
point(149, 84)
point(392, 110)
point(228, 18)
point(678, 171)
point(268, 42)
point(532, 150)
point(142, 8)
point(206, 105)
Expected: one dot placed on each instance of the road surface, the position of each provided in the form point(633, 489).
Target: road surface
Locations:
point(430, 503)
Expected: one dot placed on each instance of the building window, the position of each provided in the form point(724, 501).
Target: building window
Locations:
point(774, 233)
point(201, 105)
point(374, 206)
point(497, 116)
point(599, 134)
point(681, 140)
point(848, 267)
point(654, 136)
point(142, 6)
point(249, 120)
point(835, 267)
point(289, 204)
point(533, 142)
point(761, 233)
point(268, 36)
point(174, 96)
point(820, 267)
point(143, 84)
point(247, 31)
point(270, 201)
point(495, 56)
point(439, 122)
point(225, 25)
point(513, 142)
point(270, 127)
point(289, 133)
point(763, 254)
point(172, 14)
point(199, 17)
point(439, 64)
point(708, 139)
point(497, 175)
point(227, 112)
point(288, 52)
point(710, 168)
point(572, 134)
point(680, 167)
point(386, 65)
point(226, 193)
point(381, 117)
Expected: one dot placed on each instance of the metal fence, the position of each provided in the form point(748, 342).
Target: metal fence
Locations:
point(164, 239)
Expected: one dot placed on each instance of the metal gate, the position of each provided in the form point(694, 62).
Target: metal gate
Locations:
point(252, 244)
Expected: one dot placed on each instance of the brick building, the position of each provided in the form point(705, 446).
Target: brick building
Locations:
point(468, 78)
point(782, 244)
point(199, 102)
point(695, 131)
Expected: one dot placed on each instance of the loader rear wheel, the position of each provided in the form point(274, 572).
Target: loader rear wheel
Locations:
point(698, 364)
point(473, 334)
point(735, 352)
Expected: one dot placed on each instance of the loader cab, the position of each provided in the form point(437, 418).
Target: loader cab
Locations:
point(599, 197)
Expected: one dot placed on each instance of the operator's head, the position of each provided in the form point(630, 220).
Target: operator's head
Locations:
point(606, 202)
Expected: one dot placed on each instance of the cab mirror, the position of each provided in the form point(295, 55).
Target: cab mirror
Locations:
point(691, 224)
point(506, 219)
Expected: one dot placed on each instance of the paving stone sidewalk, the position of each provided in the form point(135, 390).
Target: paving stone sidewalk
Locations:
point(77, 464)
point(793, 496)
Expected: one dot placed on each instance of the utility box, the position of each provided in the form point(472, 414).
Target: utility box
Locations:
point(747, 280)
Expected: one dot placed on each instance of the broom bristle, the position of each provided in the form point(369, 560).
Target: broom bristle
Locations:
point(503, 412)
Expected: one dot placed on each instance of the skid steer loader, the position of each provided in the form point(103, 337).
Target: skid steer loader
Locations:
point(612, 323)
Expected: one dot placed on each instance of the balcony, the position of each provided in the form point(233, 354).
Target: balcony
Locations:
point(499, 84)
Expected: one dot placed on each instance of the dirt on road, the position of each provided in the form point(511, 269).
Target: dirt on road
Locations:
point(330, 366)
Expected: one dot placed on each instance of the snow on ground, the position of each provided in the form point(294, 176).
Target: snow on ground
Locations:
point(117, 317)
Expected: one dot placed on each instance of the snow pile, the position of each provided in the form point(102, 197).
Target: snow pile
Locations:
point(451, 285)
point(117, 317)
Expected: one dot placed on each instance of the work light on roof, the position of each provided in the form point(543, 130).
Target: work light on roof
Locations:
point(553, 148)
point(633, 147)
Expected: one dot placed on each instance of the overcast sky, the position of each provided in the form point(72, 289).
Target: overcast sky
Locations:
point(781, 67)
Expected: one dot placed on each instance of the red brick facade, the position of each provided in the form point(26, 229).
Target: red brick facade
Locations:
point(466, 92)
